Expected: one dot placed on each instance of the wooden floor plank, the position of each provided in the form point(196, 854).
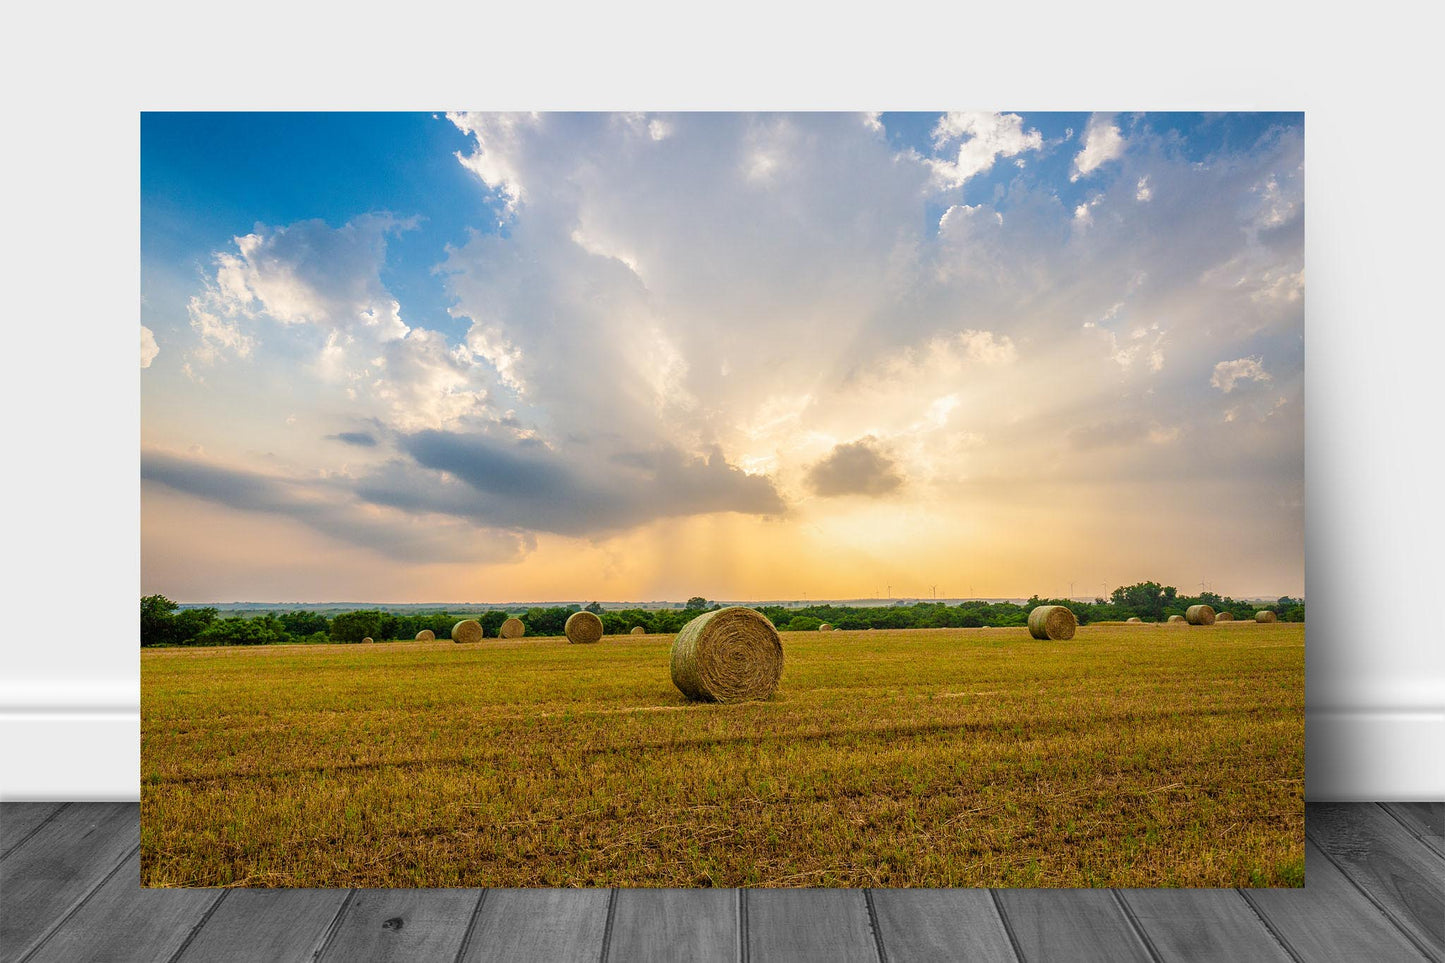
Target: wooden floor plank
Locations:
point(1202, 924)
point(918, 925)
point(539, 926)
point(58, 866)
point(402, 924)
point(809, 924)
point(266, 926)
point(1392, 866)
point(1330, 921)
point(662, 925)
point(1425, 819)
point(121, 922)
point(21, 819)
point(1080, 925)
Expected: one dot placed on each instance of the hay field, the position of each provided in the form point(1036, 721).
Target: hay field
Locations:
point(1129, 756)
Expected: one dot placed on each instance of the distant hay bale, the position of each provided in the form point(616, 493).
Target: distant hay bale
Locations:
point(1134, 621)
point(638, 630)
point(825, 627)
point(1199, 615)
point(1175, 619)
point(728, 655)
point(512, 629)
point(1054, 622)
point(1265, 615)
point(1224, 617)
point(583, 628)
point(467, 630)
point(366, 640)
point(426, 635)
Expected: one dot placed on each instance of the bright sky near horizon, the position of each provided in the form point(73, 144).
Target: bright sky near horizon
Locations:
point(487, 357)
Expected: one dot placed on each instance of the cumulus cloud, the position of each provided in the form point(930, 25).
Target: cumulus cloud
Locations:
point(982, 138)
point(323, 286)
point(856, 468)
point(497, 137)
point(1102, 143)
point(309, 273)
point(1227, 374)
point(148, 347)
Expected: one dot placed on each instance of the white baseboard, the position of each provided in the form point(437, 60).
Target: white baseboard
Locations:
point(1363, 755)
point(70, 752)
point(68, 755)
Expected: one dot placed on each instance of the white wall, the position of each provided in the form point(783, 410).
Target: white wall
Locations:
point(1375, 689)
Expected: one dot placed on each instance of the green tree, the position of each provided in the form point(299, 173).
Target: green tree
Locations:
point(355, 626)
point(262, 630)
point(156, 620)
point(1145, 599)
point(304, 623)
point(696, 604)
point(594, 607)
point(188, 624)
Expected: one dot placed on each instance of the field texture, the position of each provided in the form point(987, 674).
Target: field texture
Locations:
point(1130, 756)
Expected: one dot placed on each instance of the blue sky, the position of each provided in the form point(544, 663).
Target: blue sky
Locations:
point(477, 355)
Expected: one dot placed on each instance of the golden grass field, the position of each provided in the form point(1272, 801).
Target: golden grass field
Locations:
point(1137, 755)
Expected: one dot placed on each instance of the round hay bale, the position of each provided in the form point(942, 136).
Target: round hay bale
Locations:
point(512, 629)
point(1134, 621)
point(426, 635)
point(638, 630)
point(1223, 616)
point(1052, 622)
point(1265, 615)
point(1176, 619)
point(825, 627)
point(467, 630)
point(1199, 615)
point(583, 628)
point(728, 655)
point(366, 640)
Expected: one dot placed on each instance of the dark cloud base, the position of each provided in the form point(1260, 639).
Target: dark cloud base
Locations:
point(856, 468)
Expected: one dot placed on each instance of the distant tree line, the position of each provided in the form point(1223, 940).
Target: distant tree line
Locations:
point(165, 623)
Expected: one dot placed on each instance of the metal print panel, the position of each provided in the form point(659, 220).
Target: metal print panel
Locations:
point(722, 499)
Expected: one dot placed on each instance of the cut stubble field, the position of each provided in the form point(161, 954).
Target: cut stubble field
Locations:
point(1131, 756)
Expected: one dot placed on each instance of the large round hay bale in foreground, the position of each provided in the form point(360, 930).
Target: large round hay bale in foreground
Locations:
point(426, 635)
point(467, 630)
point(1199, 615)
point(1052, 622)
point(366, 640)
point(728, 655)
point(1176, 620)
point(1223, 616)
point(825, 627)
point(638, 630)
point(1134, 621)
point(582, 628)
point(512, 629)
point(1265, 615)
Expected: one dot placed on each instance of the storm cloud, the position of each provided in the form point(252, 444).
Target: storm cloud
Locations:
point(324, 505)
point(527, 485)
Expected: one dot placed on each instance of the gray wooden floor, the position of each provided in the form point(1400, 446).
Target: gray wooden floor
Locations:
point(69, 891)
